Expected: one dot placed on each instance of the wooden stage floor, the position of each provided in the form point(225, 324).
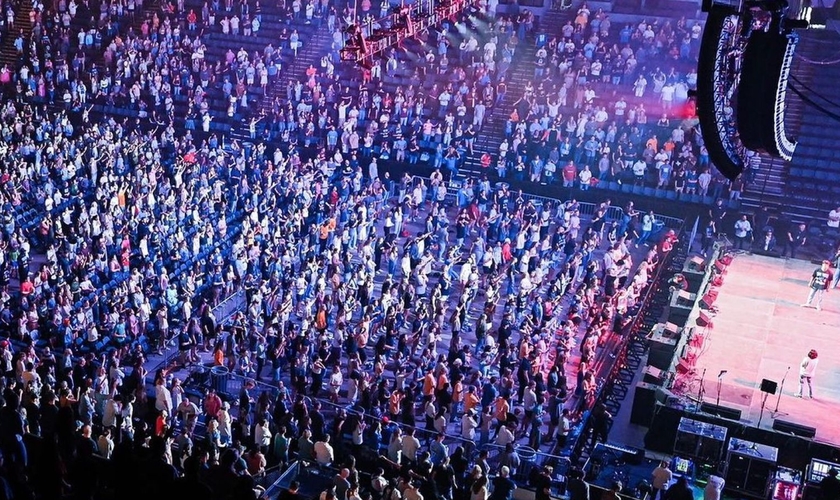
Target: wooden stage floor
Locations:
point(759, 331)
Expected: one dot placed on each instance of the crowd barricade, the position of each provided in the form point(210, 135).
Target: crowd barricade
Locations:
point(586, 208)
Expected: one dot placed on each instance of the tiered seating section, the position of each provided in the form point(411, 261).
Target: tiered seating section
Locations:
point(813, 184)
point(120, 68)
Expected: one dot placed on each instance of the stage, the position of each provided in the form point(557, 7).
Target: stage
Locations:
point(760, 330)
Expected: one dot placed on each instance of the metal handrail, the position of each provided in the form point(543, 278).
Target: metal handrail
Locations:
point(586, 208)
point(371, 418)
point(601, 395)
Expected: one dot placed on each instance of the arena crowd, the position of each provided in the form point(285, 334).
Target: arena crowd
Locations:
point(450, 324)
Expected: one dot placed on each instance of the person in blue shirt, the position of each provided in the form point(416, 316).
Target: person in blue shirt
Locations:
point(439, 452)
point(489, 392)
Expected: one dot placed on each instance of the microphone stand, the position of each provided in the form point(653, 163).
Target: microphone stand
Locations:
point(719, 384)
point(701, 391)
point(779, 396)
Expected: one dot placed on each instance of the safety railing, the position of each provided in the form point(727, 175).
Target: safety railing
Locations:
point(585, 208)
point(232, 385)
point(579, 433)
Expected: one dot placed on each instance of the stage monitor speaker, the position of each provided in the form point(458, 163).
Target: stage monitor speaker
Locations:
point(695, 264)
point(679, 315)
point(768, 386)
point(748, 476)
point(708, 300)
point(721, 411)
point(685, 365)
point(644, 404)
point(795, 429)
point(652, 375)
point(662, 351)
point(704, 319)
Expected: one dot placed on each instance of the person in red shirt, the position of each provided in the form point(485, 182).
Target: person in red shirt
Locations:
point(26, 287)
point(485, 160)
point(161, 425)
point(669, 241)
point(569, 174)
point(507, 255)
point(212, 404)
point(191, 19)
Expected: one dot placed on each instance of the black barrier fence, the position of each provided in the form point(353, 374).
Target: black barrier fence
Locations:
point(630, 350)
point(232, 384)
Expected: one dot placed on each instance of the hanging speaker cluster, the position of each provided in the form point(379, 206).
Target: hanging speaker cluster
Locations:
point(742, 78)
point(761, 96)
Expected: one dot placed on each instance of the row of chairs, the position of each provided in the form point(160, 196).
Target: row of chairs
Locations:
point(820, 170)
point(667, 194)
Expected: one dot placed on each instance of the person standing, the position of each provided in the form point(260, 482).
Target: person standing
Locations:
point(708, 238)
point(713, 488)
point(661, 478)
point(834, 219)
point(647, 228)
point(818, 286)
point(578, 489)
point(543, 484)
point(807, 368)
point(680, 490)
point(718, 212)
point(503, 485)
point(830, 486)
point(796, 238)
point(743, 228)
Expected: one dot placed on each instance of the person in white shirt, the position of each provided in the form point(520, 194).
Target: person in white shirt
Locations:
point(468, 426)
point(262, 436)
point(807, 368)
point(505, 436)
point(31, 378)
point(713, 488)
point(112, 409)
point(410, 445)
point(105, 444)
point(639, 169)
point(834, 218)
point(324, 454)
point(585, 177)
point(127, 415)
point(647, 228)
point(661, 477)
point(336, 381)
point(667, 96)
point(163, 398)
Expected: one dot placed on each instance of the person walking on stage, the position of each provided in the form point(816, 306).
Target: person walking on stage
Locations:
point(806, 373)
point(819, 285)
